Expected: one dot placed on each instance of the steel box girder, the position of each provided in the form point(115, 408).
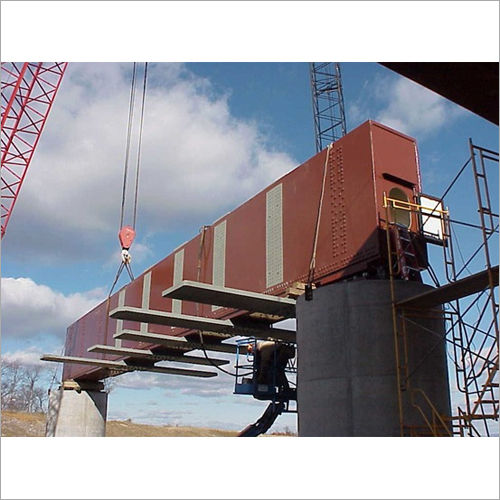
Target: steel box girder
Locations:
point(264, 245)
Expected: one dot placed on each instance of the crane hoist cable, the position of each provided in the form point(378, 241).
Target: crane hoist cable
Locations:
point(126, 233)
point(312, 264)
point(141, 126)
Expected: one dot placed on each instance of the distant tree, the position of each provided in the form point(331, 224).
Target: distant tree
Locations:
point(23, 387)
point(11, 381)
point(40, 397)
point(32, 377)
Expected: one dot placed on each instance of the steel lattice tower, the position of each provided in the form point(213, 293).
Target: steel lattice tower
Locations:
point(328, 103)
point(27, 93)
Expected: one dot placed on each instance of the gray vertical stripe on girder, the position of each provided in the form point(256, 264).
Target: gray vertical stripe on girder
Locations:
point(219, 257)
point(119, 322)
point(178, 273)
point(274, 236)
point(146, 290)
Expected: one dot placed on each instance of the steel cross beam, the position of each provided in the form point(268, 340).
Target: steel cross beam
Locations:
point(150, 355)
point(178, 343)
point(205, 293)
point(123, 367)
point(200, 323)
point(452, 291)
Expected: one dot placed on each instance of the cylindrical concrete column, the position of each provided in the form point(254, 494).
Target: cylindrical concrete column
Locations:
point(75, 413)
point(347, 382)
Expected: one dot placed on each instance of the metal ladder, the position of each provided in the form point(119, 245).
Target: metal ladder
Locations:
point(405, 252)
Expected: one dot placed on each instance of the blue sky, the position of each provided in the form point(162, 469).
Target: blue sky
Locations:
point(61, 252)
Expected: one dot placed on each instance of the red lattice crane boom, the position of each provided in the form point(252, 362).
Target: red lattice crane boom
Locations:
point(28, 91)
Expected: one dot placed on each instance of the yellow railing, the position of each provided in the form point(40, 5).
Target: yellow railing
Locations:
point(411, 207)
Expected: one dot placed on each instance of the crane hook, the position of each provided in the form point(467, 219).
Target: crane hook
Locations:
point(126, 236)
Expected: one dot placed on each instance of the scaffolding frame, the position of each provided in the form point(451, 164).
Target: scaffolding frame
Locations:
point(471, 321)
point(475, 354)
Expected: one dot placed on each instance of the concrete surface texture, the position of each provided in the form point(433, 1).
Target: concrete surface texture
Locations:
point(74, 413)
point(347, 383)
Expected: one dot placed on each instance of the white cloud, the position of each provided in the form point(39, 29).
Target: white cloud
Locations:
point(152, 416)
point(219, 386)
point(198, 162)
point(217, 394)
point(29, 308)
point(28, 357)
point(415, 110)
point(403, 105)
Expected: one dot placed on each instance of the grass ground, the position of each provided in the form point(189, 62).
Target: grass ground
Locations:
point(17, 424)
point(20, 424)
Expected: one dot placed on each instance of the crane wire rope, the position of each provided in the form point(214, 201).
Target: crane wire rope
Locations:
point(125, 264)
point(312, 263)
point(129, 137)
point(141, 126)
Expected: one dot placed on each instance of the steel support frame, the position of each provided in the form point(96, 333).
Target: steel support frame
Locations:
point(27, 92)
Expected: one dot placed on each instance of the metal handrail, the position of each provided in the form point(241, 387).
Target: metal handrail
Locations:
point(409, 206)
point(435, 413)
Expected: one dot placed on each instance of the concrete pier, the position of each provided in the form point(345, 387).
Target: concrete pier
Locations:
point(347, 383)
point(77, 413)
